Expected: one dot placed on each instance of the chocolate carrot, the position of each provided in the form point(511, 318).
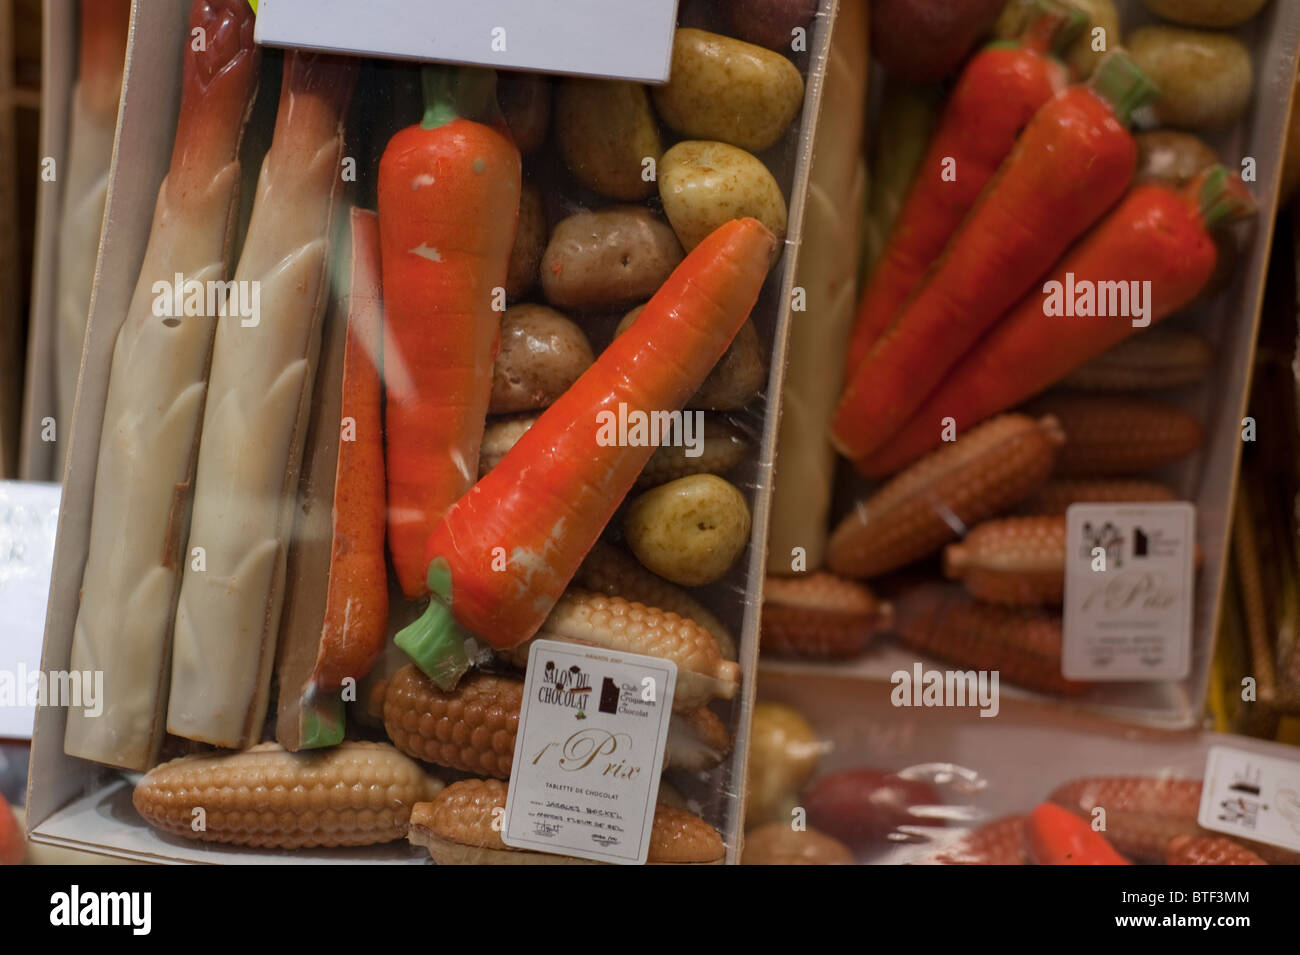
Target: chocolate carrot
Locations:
point(1157, 235)
point(538, 512)
point(1074, 161)
point(448, 199)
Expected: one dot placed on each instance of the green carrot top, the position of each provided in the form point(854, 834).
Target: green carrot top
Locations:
point(1223, 197)
point(1120, 82)
point(457, 92)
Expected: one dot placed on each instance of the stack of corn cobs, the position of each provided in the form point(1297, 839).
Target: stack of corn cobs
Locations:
point(1001, 366)
point(509, 447)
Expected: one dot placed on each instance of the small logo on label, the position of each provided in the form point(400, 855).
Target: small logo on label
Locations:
point(609, 696)
point(1108, 538)
point(569, 688)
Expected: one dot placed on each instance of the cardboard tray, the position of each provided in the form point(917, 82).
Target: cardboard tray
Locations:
point(77, 804)
point(1230, 320)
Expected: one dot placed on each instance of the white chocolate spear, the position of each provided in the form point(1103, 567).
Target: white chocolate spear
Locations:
point(155, 400)
point(91, 128)
point(250, 453)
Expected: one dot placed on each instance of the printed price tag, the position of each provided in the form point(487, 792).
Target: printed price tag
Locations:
point(589, 751)
point(631, 41)
point(1252, 796)
point(1128, 591)
point(29, 514)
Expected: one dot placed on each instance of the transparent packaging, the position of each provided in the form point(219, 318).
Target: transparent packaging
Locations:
point(261, 486)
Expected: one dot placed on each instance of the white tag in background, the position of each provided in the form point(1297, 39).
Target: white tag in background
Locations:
point(1129, 591)
point(631, 41)
point(1251, 796)
point(29, 516)
point(589, 751)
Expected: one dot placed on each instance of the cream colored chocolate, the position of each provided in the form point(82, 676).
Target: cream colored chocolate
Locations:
point(615, 573)
point(697, 741)
point(618, 624)
point(156, 388)
point(805, 461)
point(85, 189)
point(462, 827)
point(251, 450)
point(354, 794)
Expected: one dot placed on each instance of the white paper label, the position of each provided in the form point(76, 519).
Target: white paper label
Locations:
point(631, 41)
point(1252, 796)
point(588, 753)
point(1128, 591)
point(29, 515)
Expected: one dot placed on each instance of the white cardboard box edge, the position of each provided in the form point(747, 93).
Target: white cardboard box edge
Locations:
point(143, 145)
point(509, 34)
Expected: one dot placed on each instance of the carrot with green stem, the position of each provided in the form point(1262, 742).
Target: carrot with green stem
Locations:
point(506, 550)
point(1157, 234)
point(1074, 161)
point(342, 639)
point(448, 199)
point(999, 91)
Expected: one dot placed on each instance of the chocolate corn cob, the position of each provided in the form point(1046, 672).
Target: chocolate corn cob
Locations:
point(1159, 358)
point(1055, 497)
point(618, 624)
point(356, 794)
point(1016, 561)
point(1209, 850)
point(820, 615)
point(994, 467)
point(1108, 435)
point(615, 573)
point(462, 825)
point(473, 727)
point(1022, 644)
